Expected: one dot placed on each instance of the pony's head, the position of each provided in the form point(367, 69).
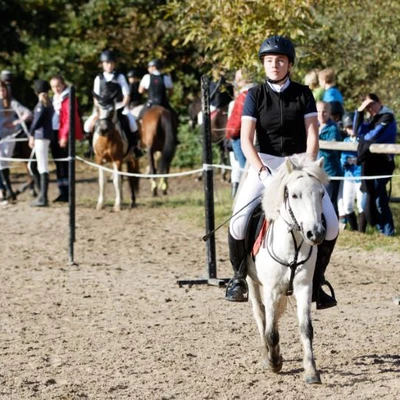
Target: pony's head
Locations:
point(295, 192)
point(107, 114)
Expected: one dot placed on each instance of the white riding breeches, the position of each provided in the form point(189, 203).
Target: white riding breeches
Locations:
point(42, 155)
point(252, 188)
point(351, 192)
point(132, 121)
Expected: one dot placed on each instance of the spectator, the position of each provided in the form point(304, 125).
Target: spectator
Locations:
point(233, 126)
point(311, 80)
point(40, 133)
point(352, 188)
point(380, 127)
point(12, 116)
point(61, 128)
point(329, 131)
point(331, 94)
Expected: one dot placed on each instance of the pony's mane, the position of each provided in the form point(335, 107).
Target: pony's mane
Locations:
point(294, 167)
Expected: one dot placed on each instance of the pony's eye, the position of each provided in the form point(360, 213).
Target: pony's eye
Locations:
point(294, 196)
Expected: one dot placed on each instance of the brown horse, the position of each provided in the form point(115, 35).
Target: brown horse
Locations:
point(111, 145)
point(158, 134)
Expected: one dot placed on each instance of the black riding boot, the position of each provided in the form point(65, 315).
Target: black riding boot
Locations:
point(133, 141)
point(322, 299)
point(237, 289)
point(42, 200)
point(352, 220)
point(63, 197)
point(5, 177)
point(362, 222)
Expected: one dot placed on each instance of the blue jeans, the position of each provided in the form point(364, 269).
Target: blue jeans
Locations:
point(385, 223)
point(237, 149)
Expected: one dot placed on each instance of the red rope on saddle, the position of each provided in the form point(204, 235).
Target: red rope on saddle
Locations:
point(260, 238)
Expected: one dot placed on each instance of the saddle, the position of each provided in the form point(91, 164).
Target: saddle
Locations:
point(256, 231)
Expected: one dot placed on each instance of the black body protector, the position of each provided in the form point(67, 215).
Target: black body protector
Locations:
point(158, 91)
point(107, 91)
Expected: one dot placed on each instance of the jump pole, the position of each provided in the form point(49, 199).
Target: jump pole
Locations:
point(208, 179)
point(71, 175)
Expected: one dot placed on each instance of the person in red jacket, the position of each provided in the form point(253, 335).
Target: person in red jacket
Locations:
point(61, 128)
point(243, 83)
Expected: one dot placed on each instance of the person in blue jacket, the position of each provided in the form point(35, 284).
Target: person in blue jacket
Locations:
point(380, 127)
point(39, 138)
point(351, 186)
point(329, 131)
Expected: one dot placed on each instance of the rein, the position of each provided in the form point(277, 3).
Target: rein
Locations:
point(291, 227)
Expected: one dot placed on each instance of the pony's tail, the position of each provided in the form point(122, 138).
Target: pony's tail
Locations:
point(169, 126)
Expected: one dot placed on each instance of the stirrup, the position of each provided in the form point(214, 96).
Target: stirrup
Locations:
point(237, 290)
point(324, 300)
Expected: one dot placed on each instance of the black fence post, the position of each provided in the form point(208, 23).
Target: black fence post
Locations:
point(71, 175)
point(208, 179)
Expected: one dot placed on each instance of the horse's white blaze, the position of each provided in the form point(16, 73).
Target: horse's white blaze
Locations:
point(297, 202)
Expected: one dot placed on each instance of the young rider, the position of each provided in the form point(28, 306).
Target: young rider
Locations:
point(283, 116)
point(110, 81)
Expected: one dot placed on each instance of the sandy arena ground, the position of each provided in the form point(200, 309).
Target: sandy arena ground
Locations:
point(118, 326)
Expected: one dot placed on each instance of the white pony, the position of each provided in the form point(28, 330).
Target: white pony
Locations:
point(286, 260)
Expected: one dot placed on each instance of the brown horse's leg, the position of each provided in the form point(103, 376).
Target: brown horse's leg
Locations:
point(152, 171)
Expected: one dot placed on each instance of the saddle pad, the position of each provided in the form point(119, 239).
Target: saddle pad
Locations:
point(260, 238)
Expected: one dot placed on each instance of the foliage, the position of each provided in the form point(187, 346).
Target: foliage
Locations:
point(358, 39)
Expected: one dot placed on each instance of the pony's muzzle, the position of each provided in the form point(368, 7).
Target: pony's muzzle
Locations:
point(316, 235)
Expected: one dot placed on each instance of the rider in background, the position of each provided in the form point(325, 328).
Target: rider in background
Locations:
point(280, 131)
point(110, 82)
point(13, 116)
point(135, 98)
point(159, 88)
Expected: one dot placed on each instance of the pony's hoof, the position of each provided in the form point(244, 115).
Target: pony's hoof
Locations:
point(99, 207)
point(117, 208)
point(313, 379)
point(277, 367)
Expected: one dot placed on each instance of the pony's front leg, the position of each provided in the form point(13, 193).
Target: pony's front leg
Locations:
point(303, 298)
point(259, 316)
point(163, 185)
point(117, 185)
point(102, 182)
point(272, 310)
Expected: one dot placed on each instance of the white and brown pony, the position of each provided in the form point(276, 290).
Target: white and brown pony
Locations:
point(111, 146)
point(286, 260)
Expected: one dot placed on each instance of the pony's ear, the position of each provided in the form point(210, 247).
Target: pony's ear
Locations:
point(320, 162)
point(289, 165)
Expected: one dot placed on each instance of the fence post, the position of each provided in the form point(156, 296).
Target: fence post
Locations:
point(208, 179)
point(71, 174)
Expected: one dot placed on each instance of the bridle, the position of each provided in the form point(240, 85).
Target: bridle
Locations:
point(292, 226)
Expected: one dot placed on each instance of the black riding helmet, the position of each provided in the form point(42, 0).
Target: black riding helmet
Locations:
point(277, 45)
point(154, 63)
point(41, 86)
point(348, 119)
point(108, 55)
point(133, 73)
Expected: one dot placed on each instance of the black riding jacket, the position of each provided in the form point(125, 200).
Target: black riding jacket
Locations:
point(279, 116)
